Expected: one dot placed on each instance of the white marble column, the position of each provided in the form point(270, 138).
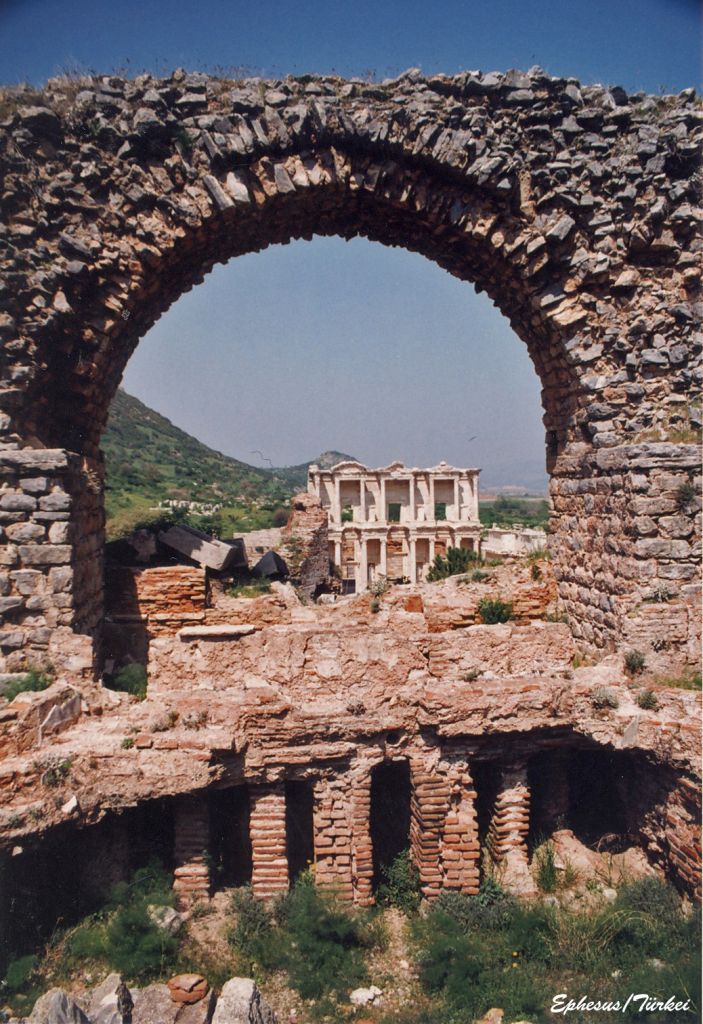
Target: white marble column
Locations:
point(383, 568)
point(362, 500)
point(362, 569)
point(338, 553)
point(412, 574)
point(431, 516)
point(383, 516)
point(337, 509)
point(412, 499)
point(457, 506)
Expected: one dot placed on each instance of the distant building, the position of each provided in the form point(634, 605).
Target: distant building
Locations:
point(393, 521)
point(513, 542)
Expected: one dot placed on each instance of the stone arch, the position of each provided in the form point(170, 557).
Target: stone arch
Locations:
point(570, 206)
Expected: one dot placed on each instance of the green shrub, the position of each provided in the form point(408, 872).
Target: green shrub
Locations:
point(535, 571)
point(253, 935)
point(545, 867)
point(32, 680)
point(401, 885)
point(21, 986)
point(254, 588)
point(378, 586)
point(375, 605)
point(325, 944)
point(135, 947)
point(647, 700)
point(492, 909)
point(603, 697)
point(132, 679)
point(685, 494)
point(123, 935)
point(634, 662)
point(19, 973)
point(55, 771)
point(492, 610)
point(478, 576)
point(450, 961)
point(456, 561)
point(320, 944)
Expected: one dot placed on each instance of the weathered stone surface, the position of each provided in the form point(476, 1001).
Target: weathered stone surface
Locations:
point(56, 1007)
point(241, 1002)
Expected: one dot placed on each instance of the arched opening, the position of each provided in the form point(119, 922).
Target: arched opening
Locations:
point(390, 815)
point(230, 842)
point(430, 174)
point(300, 844)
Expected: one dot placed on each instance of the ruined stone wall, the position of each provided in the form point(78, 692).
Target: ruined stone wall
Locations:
point(573, 207)
point(305, 545)
point(164, 599)
point(50, 573)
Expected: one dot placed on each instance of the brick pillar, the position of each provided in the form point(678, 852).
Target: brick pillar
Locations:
point(191, 841)
point(267, 828)
point(333, 836)
point(362, 846)
point(429, 804)
point(509, 828)
point(461, 851)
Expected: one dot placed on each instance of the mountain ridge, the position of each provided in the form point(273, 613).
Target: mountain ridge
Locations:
point(150, 460)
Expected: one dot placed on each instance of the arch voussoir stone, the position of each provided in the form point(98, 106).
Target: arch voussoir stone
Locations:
point(573, 207)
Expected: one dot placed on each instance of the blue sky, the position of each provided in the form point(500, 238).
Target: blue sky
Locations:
point(373, 351)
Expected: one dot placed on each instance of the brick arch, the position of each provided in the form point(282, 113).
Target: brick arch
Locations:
point(570, 206)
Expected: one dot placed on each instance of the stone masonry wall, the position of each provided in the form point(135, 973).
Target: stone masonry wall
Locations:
point(574, 207)
point(304, 544)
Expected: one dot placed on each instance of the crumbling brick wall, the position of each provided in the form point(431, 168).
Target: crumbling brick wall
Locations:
point(164, 598)
point(305, 544)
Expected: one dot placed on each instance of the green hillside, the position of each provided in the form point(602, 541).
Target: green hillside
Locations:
point(149, 460)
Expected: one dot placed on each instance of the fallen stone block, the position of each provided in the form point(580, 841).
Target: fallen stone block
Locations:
point(204, 549)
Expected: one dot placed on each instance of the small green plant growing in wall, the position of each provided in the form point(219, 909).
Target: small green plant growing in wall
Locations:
point(647, 700)
point(493, 610)
point(634, 662)
point(685, 494)
point(32, 680)
point(602, 697)
point(55, 772)
point(132, 679)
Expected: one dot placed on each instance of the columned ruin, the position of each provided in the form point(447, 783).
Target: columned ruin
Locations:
point(391, 522)
point(509, 829)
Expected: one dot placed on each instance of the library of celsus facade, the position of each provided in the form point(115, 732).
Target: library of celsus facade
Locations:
point(392, 521)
